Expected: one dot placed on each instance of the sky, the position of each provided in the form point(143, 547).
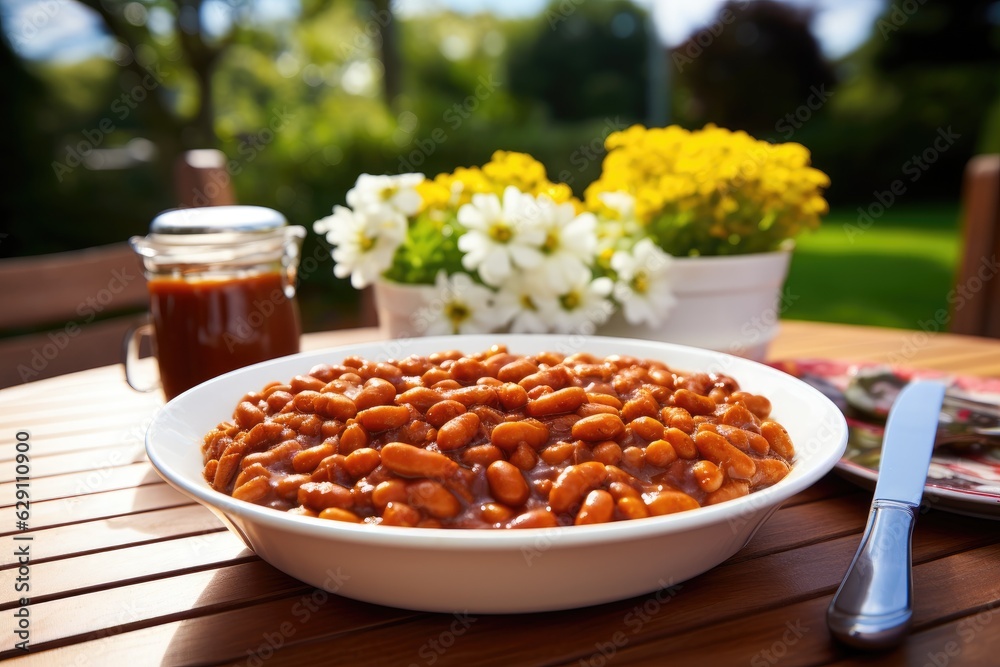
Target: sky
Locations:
point(66, 30)
point(840, 25)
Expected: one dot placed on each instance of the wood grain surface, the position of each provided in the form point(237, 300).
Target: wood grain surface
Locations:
point(126, 571)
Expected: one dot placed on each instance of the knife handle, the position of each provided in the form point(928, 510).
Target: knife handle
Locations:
point(873, 607)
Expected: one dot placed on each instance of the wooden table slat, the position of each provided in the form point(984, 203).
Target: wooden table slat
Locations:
point(107, 477)
point(163, 600)
point(249, 632)
point(84, 461)
point(48, 445)
point(79, 538)
point(73, 407)
point(76, 509)
point(828, 520)
point(120, 427)
point(106, 569)
point(90, 387)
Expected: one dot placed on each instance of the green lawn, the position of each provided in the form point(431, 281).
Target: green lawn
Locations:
point(895, 273)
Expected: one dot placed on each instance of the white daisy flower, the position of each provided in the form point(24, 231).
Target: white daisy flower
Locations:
point(579, 310)
point(643, 286)
point(621, 203)
point(517, 303)
point(611, 233)
point(570, 243)
point(501, 236)
point(365, 242)
point(397, 192)
point(456, 305)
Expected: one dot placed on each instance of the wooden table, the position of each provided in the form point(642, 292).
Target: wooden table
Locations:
point(125, 571)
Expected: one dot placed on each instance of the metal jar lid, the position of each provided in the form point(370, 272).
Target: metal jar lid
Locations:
point(218, 237)
point(218, 220)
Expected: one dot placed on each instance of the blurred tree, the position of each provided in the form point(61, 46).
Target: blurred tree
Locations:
point(191, 48)
point(938, 33)
point(940, 53)
point(584, 60)
point(755, 63)
point(917, 100)
point(191, 51)
point(385, 26)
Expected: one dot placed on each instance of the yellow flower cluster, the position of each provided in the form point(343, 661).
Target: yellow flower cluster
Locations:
point(504, 169)
point(711, 191)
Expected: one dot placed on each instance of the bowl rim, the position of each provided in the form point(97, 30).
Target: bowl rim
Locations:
point(440, 539)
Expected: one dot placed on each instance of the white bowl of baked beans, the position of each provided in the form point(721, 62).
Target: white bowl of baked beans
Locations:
point(497, 473)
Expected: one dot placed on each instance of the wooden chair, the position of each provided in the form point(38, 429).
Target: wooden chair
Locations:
point(70, 311)
point(201, 179)
point(976, 300)
point(75, 308)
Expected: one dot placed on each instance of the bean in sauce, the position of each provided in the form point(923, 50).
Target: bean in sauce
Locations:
point(497, 440)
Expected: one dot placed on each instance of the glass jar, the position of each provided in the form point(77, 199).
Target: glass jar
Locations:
point(221, 283)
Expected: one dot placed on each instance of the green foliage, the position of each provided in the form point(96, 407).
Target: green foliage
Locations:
point(430, 246)
point(683, 234)
point(584, 60)
point(77, 88)
point(897, 272)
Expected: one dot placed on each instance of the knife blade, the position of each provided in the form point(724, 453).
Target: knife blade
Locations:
point(908, 442)
point(873, 606)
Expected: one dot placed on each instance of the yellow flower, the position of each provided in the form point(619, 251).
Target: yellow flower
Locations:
point(505, 168)
point(433, 194)
point(711, 191)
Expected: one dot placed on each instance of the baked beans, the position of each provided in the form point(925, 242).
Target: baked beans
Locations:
point(497, 440)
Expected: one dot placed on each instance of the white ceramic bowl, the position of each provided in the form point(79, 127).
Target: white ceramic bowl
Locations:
point(497, 571)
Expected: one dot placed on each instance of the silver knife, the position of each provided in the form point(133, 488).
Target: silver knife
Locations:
point(873, 607)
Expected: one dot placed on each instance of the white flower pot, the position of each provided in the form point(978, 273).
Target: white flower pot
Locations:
point(729, 304)
point(397, 305)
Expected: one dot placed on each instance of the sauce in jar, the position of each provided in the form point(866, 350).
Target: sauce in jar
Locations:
point(211, 326)
point(221, 282)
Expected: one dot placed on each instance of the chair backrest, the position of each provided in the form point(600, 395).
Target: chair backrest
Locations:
point(201, 179)
point(71, 309)
point(976, 301)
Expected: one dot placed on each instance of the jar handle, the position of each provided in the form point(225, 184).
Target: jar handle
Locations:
point(130, 352)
